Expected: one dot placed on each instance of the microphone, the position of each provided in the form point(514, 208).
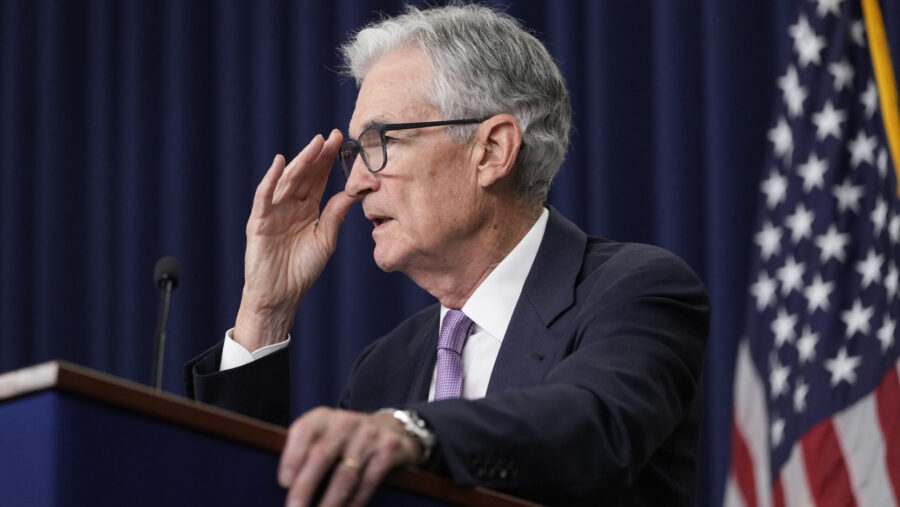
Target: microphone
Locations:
point(166, 274)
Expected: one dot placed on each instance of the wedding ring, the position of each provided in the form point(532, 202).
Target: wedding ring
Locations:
point(351, 464)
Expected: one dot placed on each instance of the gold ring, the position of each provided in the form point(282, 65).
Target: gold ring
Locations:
point(351, 464)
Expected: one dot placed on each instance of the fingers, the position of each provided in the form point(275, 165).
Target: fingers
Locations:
point(266, 188)
point(376, 468)
point(357, 449)
point(319, 456)
point(353, 468)
point(300, 437)
point(306, 175)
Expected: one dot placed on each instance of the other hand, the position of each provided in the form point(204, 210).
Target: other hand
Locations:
point(359, 449)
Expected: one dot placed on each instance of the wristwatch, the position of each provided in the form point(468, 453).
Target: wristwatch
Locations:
point(415, 427)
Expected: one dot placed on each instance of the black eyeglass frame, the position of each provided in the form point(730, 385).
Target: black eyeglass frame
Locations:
point(351, 147)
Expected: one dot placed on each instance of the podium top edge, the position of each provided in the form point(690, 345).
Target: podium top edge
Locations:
point(105, 388)
point(28, 380)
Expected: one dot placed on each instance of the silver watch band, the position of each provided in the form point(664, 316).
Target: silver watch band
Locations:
point(415, 427)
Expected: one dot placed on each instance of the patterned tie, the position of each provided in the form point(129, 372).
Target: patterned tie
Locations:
point(454, 333)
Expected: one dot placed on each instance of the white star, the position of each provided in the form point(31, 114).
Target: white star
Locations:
point(828, 121)
point(783, 327)
point(800, 396)
point(782, 139)
point(869, 98)
point(848, 196)
point(886, 334)
point(817, 294)
point(768, 240)
point(777, 432)
point(894, 229)
point(791, 275)
point(800, 223)
point(794, 94)
point(813, 172)
point(857, 319)
point(775, 188)
point(806, 345)
point(806, 43)
point(862, 149)
point(870, 269)
point(858, 32)
point(842, 366)
point(879, 216)
point(802, 29)
point(764, 291)
point(832, 244)
point(828, 6)
point(891, 281)
point(882, 163)
point(778, 378)
point(843, 74)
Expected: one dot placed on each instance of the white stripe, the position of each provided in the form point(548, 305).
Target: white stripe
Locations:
point(733, 496)
point(750, 413)
point(862, 444)
point(794, 481)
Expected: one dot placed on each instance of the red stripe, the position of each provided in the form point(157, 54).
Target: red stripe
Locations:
point(887, 397)
point(778, 494)
point(742, 466)
point(829, 482)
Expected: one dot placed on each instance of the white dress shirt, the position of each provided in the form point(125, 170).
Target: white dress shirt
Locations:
point(490, 307)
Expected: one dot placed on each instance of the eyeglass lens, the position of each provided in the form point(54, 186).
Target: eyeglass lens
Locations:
point(369, 146)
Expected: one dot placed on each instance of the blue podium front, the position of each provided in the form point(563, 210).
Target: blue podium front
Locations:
point(68, 450)
point(70, 436)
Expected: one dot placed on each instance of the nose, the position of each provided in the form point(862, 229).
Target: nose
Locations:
point(361, 180)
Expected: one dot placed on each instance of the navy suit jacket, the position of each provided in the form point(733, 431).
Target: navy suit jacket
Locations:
point(594, 397)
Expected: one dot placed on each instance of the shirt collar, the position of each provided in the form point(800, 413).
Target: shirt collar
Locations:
point(491, 305)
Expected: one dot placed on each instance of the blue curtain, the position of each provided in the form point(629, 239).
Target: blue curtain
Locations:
point(130, 130)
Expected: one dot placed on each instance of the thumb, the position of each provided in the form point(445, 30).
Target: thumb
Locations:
point(332, 217)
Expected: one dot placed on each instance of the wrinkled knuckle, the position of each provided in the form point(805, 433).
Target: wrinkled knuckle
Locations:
point(367, 430)
point(298, 429)
point(346, 420)
point(392, 443)
point(318, 454)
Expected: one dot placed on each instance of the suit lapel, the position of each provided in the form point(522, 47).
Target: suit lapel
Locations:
point(531, 346)
point(423, 354)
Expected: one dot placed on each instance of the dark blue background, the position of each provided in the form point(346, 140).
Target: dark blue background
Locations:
point(130, 130)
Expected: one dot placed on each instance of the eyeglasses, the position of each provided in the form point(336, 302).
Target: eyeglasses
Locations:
point(372, 143)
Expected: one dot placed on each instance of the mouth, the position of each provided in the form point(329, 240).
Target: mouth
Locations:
point(379, 220)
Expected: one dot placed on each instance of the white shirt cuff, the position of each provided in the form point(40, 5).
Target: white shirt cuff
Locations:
point(234, 354)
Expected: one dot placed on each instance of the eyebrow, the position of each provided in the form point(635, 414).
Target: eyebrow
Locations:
point(377, 120)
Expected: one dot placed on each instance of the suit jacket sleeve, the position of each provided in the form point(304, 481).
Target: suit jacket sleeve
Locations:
point(259, 389)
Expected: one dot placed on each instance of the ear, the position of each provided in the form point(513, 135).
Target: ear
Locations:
point(498, 142)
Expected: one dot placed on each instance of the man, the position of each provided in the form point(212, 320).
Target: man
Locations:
point(579, 371)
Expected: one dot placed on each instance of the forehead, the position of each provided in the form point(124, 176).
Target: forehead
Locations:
point(395, 90)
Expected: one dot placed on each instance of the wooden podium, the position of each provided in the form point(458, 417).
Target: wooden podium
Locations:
point(71, 436)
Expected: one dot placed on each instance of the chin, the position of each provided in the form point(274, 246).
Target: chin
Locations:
point(385, 259)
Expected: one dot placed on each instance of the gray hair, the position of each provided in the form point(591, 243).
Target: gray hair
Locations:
point(484, 63)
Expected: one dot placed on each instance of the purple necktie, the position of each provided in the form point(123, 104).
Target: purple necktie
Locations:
point(454, 332)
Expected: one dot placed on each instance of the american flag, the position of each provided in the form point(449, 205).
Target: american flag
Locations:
point(817, 383)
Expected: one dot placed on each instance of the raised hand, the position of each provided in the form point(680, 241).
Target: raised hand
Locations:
point(288, 241)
